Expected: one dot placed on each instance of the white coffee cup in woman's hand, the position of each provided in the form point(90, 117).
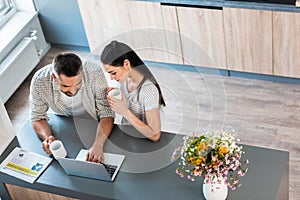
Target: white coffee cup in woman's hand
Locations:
point(116, 93)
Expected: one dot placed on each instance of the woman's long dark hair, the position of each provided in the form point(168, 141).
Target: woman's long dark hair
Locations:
point(116, 52)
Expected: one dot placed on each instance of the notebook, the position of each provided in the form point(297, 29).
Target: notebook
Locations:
point(106, 171)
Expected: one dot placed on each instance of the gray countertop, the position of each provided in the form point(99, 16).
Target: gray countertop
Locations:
point(147, 171)
point(232, 4)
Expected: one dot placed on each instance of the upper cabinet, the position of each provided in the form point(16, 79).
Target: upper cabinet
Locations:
point(286, 44)
point(248, 38)
point(202, 36)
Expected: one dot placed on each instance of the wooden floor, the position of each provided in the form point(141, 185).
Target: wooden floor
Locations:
point(265, 114)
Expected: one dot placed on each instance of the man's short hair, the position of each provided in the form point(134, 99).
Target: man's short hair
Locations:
point(68, 64)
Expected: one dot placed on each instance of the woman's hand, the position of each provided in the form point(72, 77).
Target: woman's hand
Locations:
point(117, 105)
point(109, 89)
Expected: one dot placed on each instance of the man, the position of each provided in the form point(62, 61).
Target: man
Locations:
point(70, 88)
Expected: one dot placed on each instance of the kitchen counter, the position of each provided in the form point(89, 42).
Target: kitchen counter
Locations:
point(232, 4)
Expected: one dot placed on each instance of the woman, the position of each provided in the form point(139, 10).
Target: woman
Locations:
point(142, 97)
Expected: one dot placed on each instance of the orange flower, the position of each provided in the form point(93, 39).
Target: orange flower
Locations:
point(203, 159)
point(223, 150)
point(200, 160)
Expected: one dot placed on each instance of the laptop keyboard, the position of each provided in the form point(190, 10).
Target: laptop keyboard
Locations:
point(110, 169)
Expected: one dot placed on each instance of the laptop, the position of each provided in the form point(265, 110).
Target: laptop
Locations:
point(106, 171)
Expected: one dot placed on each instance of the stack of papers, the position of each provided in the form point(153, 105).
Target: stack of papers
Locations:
point(25, 165)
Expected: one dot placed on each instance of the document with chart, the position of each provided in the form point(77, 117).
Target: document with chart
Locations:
point(25, 165)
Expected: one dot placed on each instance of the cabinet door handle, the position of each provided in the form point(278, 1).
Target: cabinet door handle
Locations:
point(192, 6)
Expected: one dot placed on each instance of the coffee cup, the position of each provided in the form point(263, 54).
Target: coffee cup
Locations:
point(116, 93)
point(57, 148)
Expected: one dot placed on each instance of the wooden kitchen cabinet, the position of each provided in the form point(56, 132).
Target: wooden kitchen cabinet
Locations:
point(138, 24)
point(248, 38)
point(286, 44)
point(173, 38)
point(245, 40)
point(202, 36)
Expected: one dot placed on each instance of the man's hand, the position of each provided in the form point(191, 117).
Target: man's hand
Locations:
point(104, 128)
point(95, 154)
point(46, 144)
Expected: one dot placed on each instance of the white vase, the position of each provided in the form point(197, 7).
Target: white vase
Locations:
point(215, 191)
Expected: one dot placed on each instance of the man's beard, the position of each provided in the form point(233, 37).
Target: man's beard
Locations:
point(70, 94)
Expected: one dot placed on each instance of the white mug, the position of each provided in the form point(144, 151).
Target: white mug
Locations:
point(116, 93)
point(57, 148)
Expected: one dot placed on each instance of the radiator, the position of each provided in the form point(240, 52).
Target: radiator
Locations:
point(16, 67)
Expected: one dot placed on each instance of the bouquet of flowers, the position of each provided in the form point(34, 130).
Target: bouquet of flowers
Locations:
point(215, 155)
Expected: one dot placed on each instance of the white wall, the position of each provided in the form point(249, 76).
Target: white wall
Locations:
point(25, 5)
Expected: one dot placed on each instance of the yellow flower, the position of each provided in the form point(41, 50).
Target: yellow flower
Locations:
point(201, 146)
point(200, 160)
point(223, 150)
point(190, 160)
